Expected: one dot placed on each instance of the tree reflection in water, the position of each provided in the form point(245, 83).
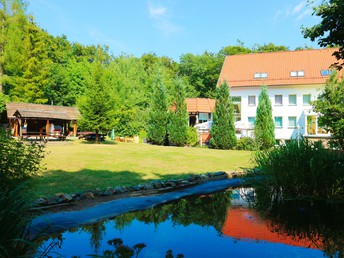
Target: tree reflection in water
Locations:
point(318, 221)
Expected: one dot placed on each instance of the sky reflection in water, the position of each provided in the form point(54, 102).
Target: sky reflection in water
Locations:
point(192, 239)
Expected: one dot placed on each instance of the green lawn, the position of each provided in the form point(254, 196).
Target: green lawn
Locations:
point(75, 167)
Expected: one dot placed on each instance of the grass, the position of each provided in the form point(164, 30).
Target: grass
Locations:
point(75, 167)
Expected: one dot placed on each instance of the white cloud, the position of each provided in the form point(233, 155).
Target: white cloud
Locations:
point(296, 12)
point(162, 18)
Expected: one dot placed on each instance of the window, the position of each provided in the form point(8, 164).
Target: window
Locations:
point(297, 73)
point(292, 122)
point(260, 75)
point(251, 100)
point(326, 72)
point(292, 99)
point(278, 122)
point(306, 99)
point(278, 100)
point(202, 117)
point(251, 120)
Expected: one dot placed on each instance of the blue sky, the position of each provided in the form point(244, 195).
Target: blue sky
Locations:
point(175, 27)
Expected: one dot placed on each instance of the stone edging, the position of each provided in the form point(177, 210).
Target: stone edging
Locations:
point(154, 187)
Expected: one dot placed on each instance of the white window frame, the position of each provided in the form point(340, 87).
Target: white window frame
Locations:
point(249, 100)
point(292, 104)
point(278, 126)
point(276, 103)
point(303, 99)
point(294, 119)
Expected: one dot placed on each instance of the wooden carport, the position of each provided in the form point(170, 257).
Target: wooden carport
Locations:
point(38, 119)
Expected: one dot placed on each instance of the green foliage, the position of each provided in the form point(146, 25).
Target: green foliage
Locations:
point(246, 143)
point(178, 124)
point(14, 218)
point(192, 137)
point(223, 131)
point(202, 71)
point(96, 106)
point(18, 161)
point(264, 128)
point(270, 47)
point(329, 31)
point(158, 115)
point(301, 169)
point(330, 105)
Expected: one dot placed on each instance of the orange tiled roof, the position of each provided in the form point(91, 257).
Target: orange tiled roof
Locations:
point(239, 70)
point(200, 105)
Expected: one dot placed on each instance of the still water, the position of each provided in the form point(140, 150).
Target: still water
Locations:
point(223, 224)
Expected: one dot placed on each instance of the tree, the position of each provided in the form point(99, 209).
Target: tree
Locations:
point(267, 48)
point(96, 106)
point(330, 105)
point(202, 72)
point(158, 115)
point(178, 125)
point(330, 31)
point(223, 131)
point(264, 128)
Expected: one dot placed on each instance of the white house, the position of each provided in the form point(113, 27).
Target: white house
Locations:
point(293, 80)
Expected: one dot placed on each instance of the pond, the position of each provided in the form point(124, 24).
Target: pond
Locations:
point(222, 224)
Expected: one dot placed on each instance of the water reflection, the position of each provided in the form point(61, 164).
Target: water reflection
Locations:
point(218, 225)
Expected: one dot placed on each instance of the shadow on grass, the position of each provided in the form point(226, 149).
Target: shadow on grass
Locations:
point(60, 181)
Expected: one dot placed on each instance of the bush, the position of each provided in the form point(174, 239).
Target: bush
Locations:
point(192, 137)
point(19, 161)
point(14, 210)
point(301, 169)
point(246, 143)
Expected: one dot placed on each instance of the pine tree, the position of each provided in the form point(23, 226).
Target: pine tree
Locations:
point(264, 129)
point(178, 125)
point(158, 115)
point(223, 130)
point(96, 106)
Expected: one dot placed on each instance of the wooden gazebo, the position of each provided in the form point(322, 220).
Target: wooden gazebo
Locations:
point(26, 119)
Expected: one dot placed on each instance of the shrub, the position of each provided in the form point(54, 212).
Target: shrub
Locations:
point(192, 137)
point(301, 169)
point(19, 161)
point(14, 210)
point(246, 143)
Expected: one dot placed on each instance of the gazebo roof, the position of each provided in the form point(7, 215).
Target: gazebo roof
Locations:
point(40, 111)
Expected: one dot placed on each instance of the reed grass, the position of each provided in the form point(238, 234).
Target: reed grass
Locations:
point(302, 169)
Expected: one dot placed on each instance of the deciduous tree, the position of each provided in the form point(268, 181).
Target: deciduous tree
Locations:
point(330, 31)
point(330, 105)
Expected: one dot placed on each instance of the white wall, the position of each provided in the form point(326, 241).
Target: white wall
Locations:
point(285, 110)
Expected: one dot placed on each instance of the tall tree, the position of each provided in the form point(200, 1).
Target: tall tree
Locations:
point(264, 128)
point(223, 130)
point(330, 105)
point(267, 48)
point(202, 71)
point(158, 115)
point(178, 124)
point(330, 31)
point(96, 106)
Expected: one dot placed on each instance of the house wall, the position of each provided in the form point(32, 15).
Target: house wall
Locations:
point(285, 110)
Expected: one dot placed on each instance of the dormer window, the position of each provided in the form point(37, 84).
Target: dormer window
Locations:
point(326, 72)
point(297, 73)
point(261, 75)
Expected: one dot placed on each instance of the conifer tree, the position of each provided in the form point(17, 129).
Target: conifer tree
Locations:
point(178, 124)
point(96, 106)
point(264, 129)
point(223, 130)
point(158, 115)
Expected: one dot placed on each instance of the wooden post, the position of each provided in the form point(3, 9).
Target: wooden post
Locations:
point(75, 127)
point(47, 129)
